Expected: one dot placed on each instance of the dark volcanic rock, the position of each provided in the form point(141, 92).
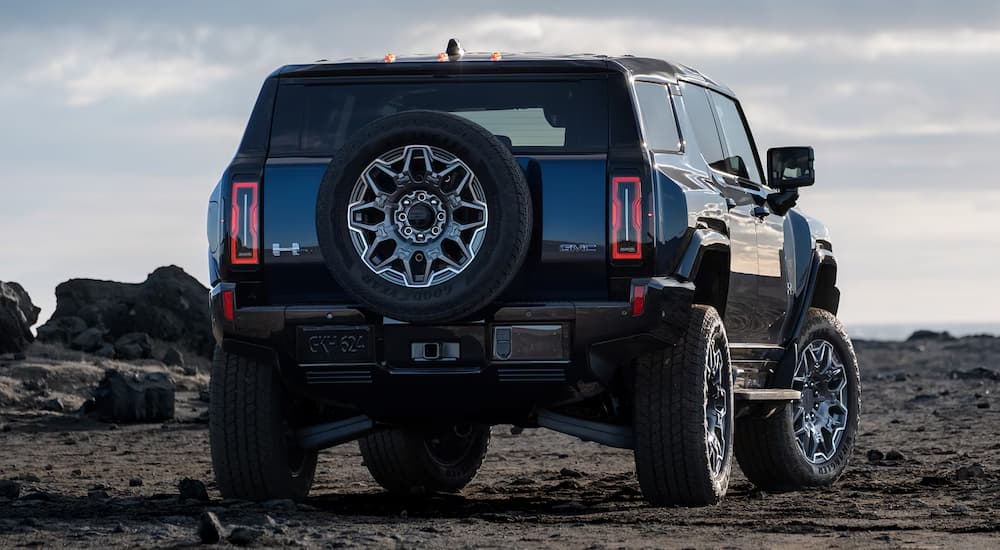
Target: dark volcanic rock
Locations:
point(10, 488)
point(17, 314)
point(930, 335)
point(172, 357)
point(244, 536)
point(134, 345)
point(169, 305)
point(91, 339)
point(122, 397)
point(62, 330)
point(209, 528)
point(192, 489)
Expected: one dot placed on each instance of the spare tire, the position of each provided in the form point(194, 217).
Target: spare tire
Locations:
point(424, 216)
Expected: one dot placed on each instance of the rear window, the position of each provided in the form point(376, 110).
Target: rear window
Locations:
point(552, 115)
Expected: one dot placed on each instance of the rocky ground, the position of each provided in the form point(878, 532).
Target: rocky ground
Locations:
point(926, 474)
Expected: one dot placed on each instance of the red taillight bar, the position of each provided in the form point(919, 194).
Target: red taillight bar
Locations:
point(626, 214)
point(243, 241)
point(638, 300)
point(228, 305)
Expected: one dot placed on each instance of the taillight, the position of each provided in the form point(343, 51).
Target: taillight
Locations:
point(243, 242)
point(638, 299)
point(626, 218)
point(228, 305)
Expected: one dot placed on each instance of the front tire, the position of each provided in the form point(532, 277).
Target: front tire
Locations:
point(253, 453)
point(809, 442)
point(418, 462)
point(683, 416)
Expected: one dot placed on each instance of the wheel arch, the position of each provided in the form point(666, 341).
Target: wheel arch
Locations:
point(706, 264)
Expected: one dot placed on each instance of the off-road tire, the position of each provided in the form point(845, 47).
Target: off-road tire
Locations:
point(252, 453)
point(766, 448)
point(669, 411)
point(402, 463)
point(506, 238)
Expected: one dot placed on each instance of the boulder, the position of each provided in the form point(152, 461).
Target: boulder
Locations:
point(134, 345)
point(169, 305)
point(125, 397)
point(930, 335)
point(173, 358)
point(91, 339)
point(17, 314)
point(62, 330)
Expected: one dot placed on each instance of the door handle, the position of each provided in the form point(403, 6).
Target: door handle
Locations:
point(760, 212)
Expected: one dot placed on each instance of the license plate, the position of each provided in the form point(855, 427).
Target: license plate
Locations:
point(334, 345)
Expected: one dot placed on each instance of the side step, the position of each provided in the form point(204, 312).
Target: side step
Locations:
point(611, 435)
point(766, 394)
point(322, 436)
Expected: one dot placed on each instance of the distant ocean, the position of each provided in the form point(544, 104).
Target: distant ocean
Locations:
point(902, 331)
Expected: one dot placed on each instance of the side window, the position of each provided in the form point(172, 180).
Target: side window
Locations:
point(658, 119)
point(740, 159)
point(706, 133)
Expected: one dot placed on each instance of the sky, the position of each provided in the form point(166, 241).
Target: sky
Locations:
point(118, 118)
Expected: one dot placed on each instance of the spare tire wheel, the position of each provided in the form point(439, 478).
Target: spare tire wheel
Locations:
point(424, 216)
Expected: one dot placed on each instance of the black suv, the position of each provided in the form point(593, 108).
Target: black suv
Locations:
point(409, 251)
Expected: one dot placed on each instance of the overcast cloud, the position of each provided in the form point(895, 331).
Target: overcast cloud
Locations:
point(120, 116)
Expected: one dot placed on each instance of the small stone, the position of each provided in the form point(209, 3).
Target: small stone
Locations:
point(281, 505)
point(983, 405)
point(523, 481)
point(571, 506)
point(569, 472)
point(98, 495)
point(567, 485)
point(172, 357)
point(757, 494)
point(959, 509)
point(76, 473)
point(244, 536)
point(516, 430)
point(894, 455)
point(972, 471)
point(48, 467)
point(900, 377)
point(10, 488)
point(875, 455)
point(119, 529)
point(6, 428)
point(209, 528)
point(188, 370)
point(192, 489)
point(52, 405)
point(135, 482)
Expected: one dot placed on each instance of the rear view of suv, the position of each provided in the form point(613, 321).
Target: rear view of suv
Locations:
point(406, 252)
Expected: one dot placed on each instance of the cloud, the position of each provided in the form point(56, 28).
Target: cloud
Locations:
point(89, 79)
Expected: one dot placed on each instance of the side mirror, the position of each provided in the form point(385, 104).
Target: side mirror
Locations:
point(790, 167)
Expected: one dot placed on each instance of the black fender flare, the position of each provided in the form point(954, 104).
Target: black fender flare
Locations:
point(702, 240)
point(783, 373)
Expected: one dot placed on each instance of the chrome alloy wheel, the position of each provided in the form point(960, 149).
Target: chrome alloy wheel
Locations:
point(717, 426)
point(417, 216)
point(820, 416)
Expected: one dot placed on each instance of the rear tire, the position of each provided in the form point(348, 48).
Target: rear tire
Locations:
point(769, 451)
point(253, 453)
point(683, 416)
point(411, 462)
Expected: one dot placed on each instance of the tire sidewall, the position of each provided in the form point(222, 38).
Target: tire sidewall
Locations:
point(500, 177)
point(717, 333)
point(822, 326)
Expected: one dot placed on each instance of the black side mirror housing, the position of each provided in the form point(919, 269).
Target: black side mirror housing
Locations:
point(790, 167)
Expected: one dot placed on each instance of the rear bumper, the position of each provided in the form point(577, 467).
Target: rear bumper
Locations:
point(520, 357)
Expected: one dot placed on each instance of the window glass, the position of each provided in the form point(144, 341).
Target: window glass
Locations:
point(562, 116)
point(657, 117)
point(699, 112)
point(740, 159)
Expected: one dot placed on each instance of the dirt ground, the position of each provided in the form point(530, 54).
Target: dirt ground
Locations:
point(926, 474)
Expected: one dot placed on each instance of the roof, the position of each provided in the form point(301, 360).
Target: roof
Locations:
point(483, 62)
